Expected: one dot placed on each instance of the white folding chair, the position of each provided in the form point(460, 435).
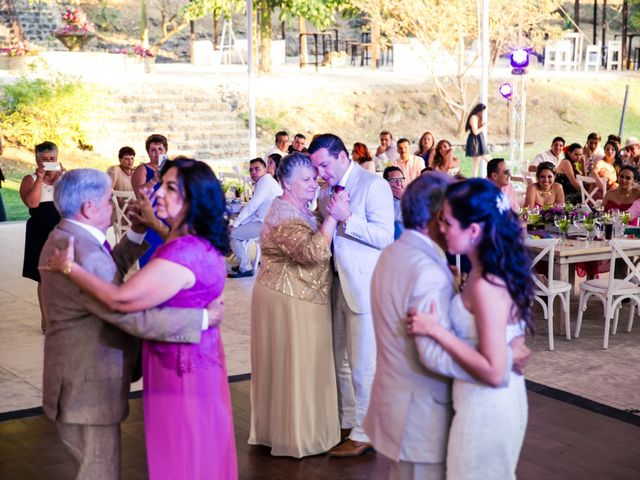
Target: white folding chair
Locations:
point(121, 222)
point(612, 291)
point(546, 292)
point(589, 189)
point(256, 258)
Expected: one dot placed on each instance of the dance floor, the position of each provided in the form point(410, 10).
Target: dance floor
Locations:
point(563, 440)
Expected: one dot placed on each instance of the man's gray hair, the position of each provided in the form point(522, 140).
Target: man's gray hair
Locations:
point(78, 186)
point(423, 199)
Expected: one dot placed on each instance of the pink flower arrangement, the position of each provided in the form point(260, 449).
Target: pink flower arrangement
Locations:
point(75, 22)
point(136, 51)
point(19, 49)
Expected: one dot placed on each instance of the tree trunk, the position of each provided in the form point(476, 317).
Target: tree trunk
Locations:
point(576, 12)
point(304, 54)
point(144, 24)
point(265, 38)
point(16, 27)
point(623, 30)
point(375, 42)
point(215, 31)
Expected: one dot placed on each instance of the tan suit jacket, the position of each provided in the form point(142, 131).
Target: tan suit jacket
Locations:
point(88, 354)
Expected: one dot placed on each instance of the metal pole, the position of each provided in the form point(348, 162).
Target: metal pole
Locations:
point(624, 110)
point(252, 94)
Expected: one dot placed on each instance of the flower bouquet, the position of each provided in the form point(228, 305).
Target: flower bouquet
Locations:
point(76, 30)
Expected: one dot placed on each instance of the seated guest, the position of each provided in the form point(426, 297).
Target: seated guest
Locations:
point(281, 145)
point(249, 221)
point(553, 155)
point(121, 174)
point(396, 180)
point(298, 144)
point(443, 159)
point(361, 155)
point(545, 191)
point(500, 175)
point(386, 152)
point(411, 165)
point(294, 396)
point(632, 152)
point(567, 170)
point(592, 152)
point(604, 169)
point(272, 164)
point(425, 148)
point(626, 194)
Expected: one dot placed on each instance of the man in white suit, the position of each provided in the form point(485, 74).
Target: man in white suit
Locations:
point(363, 205)
point(410, 410)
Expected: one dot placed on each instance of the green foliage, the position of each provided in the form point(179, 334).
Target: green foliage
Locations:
point(106, 18)
point(35, 110)
point(196, 9)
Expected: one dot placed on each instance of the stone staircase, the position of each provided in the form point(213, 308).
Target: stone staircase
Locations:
point(200, 122)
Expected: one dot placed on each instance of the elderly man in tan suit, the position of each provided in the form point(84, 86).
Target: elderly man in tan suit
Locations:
point(410, 410)
point(89, 351)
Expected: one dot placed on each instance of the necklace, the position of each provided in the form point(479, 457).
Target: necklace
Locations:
point(544, 193)
point(625, 195)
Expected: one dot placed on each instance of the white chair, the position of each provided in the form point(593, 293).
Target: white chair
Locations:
point(546, 292)
point(256, 259)
point(121, 222)
point(592, 58)
point(520, 184)
point(614, 54)
point(589, 189)
point(612, 291)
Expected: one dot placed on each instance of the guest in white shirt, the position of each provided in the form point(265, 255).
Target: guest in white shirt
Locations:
point(281, 145)
point(552, 155)
point(249, 221)
point(386, 153)
point(499, 173)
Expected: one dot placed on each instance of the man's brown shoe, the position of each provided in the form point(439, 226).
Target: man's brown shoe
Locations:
point(350, 448)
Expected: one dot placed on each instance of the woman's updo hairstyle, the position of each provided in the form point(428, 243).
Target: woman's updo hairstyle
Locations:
point(290, 163)
point(545, 166)
point(501, 249)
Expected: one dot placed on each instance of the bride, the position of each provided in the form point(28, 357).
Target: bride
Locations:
point(489, 424)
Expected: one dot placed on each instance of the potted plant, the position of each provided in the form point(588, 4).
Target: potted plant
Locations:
point(14, 57)
point(76, 30)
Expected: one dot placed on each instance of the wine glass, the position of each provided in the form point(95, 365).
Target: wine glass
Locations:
point(589, 224)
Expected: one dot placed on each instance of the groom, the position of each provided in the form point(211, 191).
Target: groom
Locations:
point(410, 410)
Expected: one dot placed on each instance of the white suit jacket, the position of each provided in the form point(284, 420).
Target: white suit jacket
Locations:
point(357, 246)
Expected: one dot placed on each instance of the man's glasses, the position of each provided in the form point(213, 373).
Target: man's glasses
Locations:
point(396, 180)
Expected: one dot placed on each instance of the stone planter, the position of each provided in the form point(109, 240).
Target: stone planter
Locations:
point(74, 42)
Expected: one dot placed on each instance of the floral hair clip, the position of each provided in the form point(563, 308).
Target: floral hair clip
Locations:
point(502, 202)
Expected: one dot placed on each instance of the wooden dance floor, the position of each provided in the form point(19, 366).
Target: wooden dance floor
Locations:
point(563, 441)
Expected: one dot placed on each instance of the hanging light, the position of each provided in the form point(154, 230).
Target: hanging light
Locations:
point(519, 61)
point(506, 90)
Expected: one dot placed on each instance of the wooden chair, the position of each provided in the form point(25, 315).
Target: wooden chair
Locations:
point(546, 291)
point(589, 189)
point(612, 291)
point(121, 222)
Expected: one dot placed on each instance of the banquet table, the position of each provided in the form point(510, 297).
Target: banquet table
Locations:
point(570, 252)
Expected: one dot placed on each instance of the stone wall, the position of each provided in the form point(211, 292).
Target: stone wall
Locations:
point(38, 21)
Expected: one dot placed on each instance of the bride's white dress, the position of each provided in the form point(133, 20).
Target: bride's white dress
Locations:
point(488, 425)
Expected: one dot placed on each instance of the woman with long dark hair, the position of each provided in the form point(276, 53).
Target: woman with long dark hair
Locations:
point(567, 171)
point(187, 406)
point(495, 306)
point(476, 147)
point(426, 147)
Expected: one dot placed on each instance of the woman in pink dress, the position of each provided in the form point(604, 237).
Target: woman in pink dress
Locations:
point(187, 406)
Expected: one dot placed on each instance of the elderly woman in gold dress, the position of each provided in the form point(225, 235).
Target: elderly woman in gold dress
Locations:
point(294, 399)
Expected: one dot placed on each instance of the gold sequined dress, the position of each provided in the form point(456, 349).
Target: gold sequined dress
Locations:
point(294, 398)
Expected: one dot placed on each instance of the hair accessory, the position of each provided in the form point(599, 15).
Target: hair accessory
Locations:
point(502, 202)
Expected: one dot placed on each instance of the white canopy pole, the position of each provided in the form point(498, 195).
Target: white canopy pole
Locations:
point(252, 91)
point(484, 90)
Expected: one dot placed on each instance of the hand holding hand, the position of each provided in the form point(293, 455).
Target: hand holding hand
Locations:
point(60, 259)
point(339, 207)
point(215, 310)
point(521, 354)
point(420, 323)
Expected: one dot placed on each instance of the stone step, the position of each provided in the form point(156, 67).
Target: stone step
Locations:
point(171, 130)
point(221, 117)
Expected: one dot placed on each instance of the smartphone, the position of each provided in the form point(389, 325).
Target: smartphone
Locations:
point(161, 159)
point(51, 166)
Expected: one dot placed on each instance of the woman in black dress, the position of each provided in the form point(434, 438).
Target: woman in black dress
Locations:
point(476, 144)
point(36, 191)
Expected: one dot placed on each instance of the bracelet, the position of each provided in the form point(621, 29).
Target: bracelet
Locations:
point(67, 270)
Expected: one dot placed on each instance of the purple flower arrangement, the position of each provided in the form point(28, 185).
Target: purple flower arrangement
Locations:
point(136, 51)
point(550, 212)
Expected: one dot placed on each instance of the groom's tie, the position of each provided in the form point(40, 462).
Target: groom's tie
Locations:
point(107, 246)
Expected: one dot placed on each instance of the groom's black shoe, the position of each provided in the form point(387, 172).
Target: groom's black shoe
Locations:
point(248, 273)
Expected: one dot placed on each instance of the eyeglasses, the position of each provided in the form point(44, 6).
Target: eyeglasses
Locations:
point(396, 180)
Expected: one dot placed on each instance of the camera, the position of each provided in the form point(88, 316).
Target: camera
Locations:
point(51, 166)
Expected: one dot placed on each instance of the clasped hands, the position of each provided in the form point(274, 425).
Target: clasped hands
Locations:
point(339, 207)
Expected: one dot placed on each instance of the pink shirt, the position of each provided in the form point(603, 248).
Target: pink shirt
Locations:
point(512, 195)
point(411, 169)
